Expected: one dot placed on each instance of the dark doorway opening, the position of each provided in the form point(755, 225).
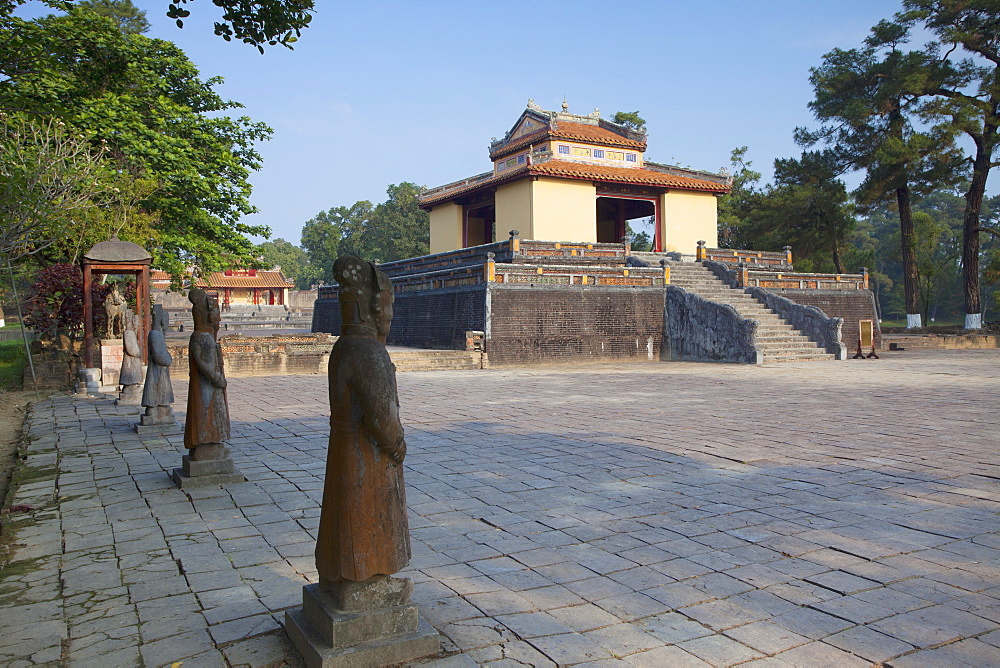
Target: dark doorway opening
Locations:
point(616, 216)
point(480, 225)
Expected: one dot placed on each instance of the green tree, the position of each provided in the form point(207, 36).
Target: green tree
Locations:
point(807, 208)
point(630, 119)
point(972, 106)
point(399, 228)
point(50, 176)
point(738, 202)
point(334, 232)
point(131, 20)
point(144, 100)
point(294, 262)
point(866, 100)
point(256, 22)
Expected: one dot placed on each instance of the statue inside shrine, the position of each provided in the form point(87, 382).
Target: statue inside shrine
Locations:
point(114, 308)
point(158, 394)
point(363, 530)
point(130, 377)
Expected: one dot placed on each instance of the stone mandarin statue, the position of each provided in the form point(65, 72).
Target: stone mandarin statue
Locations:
point(158, 394)
point(207, 424)
point(130, 377)
point(358, 614)
point(363, 529)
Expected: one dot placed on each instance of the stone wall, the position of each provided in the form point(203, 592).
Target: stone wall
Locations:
point(262, 356)
point(851, 305)
point(533, 323)
point(422, 319)
point(700, 330)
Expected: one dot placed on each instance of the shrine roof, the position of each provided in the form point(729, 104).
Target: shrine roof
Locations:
point(116, 250)
point(582, 132)
point(575, 170)
point(263, 279)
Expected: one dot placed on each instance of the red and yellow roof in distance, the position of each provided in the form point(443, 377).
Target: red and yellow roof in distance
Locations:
point(570, 146)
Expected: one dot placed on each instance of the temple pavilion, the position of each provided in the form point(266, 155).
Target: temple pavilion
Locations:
point(559, 176)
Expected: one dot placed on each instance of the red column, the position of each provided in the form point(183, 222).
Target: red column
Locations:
point(88, 320)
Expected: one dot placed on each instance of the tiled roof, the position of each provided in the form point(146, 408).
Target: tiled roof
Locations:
point(583, 132)
point(579, 170)
point(263, 279)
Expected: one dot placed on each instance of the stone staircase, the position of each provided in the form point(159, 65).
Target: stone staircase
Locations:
point(777, 339)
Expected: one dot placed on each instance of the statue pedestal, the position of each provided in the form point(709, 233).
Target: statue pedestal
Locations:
point(157, 420)
point(89, 384)
point(131, 395)
point(112, 354)
point(207, 472)
point(369, 623)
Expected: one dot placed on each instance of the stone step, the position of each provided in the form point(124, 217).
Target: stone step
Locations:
point(783, 357)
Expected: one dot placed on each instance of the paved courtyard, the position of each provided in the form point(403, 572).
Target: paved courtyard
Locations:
point(810, 514)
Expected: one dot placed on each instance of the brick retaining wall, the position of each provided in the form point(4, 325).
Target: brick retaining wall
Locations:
point(851, 305)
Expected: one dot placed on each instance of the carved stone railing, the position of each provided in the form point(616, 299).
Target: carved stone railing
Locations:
point(536, 250)
point(473, 255)
point(697, 329)
point(751, 258)
point(742, 276)
point(793, 280)
point(809, 320)
point(575, 275)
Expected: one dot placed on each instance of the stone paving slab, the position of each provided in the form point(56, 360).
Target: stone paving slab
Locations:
point(826, 513)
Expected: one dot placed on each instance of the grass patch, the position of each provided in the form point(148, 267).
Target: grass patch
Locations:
point(12, 361)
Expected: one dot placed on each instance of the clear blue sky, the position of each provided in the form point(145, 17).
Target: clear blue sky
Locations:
point(380, 92)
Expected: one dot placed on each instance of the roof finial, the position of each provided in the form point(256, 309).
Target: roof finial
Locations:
point(565, 104)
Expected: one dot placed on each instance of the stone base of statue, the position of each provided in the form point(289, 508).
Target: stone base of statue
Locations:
point(370, 623)
point(131, 395)
point(112, 354)
point(89, 384)
point(157, 420)
point(208, 465)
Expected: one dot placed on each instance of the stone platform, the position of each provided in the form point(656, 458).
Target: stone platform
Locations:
point(675, 514)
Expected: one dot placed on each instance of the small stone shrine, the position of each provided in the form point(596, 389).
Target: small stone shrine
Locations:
point(206, 428)
point(358, 614)
point(130, 377)
point(122, 258)
point(157, 393)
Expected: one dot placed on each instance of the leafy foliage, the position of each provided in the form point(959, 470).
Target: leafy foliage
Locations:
point(131, 20)
point(630, 119)
point(394, 230)
point(255, 22)
point(737, 203)
point(49, 178)
point(160, 122)
point(294, 262)
point(56, 301)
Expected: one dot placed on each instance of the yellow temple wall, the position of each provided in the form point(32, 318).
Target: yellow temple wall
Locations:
point(689, 217)
point(513, 209)
point(564, 210)
point(446, 228)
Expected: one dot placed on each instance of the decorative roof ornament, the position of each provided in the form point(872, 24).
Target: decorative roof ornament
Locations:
point(533, 105)
point(596, 113)
point(565, 106)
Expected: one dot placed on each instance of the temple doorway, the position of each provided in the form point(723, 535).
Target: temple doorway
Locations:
point(479, 225)
point(616, 215)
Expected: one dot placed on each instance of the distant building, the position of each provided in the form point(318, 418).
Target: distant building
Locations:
point(559, 176)
point(247, 286)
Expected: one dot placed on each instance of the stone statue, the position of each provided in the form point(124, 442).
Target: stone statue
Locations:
point(358, 614)
point(363, 530)
point(130, 377)
point(158, 394)
point(207, 424)
point(114, 307)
